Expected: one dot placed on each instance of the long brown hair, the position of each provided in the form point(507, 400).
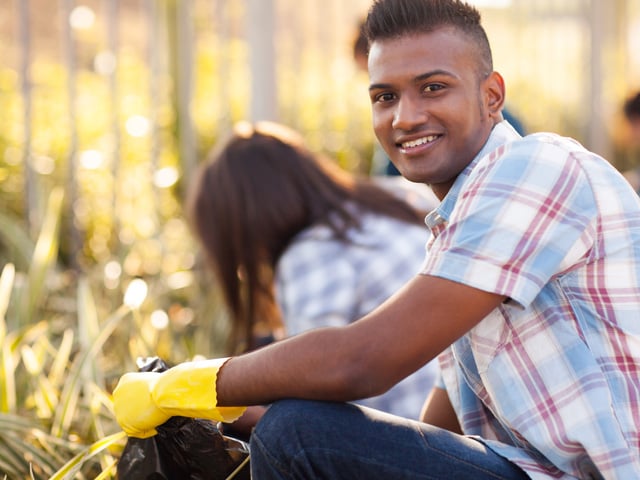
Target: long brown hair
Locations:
point(255, 192)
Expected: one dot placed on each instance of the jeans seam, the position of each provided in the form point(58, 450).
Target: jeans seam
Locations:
point(458, 459)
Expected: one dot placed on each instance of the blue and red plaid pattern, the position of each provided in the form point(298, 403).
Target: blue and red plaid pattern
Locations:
point(549, 380)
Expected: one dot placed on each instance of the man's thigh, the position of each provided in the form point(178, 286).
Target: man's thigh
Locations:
point(298, 439)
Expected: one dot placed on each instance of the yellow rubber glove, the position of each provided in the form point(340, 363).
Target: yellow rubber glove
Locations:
point(135, 410)
point(144, 400)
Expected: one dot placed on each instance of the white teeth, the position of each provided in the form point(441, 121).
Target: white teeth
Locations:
point(419, 141)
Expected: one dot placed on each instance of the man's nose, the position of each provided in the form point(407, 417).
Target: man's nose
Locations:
point(409, 113)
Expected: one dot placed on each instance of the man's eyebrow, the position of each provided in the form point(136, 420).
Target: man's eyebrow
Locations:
point(379, 86)
point(433, 73)
point(420, 78)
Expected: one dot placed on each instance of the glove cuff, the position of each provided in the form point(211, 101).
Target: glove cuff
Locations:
point(189, 390)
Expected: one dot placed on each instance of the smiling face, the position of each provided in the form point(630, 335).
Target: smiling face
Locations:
point(433, 109)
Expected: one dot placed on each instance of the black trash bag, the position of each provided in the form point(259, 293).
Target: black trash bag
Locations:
point(184, 449)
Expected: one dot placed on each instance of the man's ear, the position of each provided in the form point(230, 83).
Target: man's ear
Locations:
point(494, 94)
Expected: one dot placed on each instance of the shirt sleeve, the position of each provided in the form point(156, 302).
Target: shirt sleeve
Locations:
point(525, 214)
point(316, 286)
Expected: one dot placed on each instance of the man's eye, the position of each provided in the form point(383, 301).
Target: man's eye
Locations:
point(433, 87)
point(384, 97)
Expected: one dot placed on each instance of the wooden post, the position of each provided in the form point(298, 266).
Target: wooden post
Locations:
point(261, 33)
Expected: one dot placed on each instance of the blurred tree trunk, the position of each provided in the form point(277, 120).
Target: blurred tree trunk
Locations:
point(181, 65)
point(261, 33)
point(602, 24)
point(73, 234)
point(112, 7)
point(30, 198)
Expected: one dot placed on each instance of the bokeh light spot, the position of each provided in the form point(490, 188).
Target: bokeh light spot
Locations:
point(165, 177)
point(137, 126)
point(82, 18)
point(91, 159)
point(136, 293)
point(105, 63)
point(159, 319)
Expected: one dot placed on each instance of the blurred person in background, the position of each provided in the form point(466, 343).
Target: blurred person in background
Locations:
point(631, 110)
point(298, 243)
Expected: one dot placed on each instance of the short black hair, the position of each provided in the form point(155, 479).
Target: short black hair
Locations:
point(389, 19)
point(632, 107)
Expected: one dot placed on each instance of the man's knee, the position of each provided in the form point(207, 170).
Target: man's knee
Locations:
point(281, 417)
point(279, 437)
point(299, 423)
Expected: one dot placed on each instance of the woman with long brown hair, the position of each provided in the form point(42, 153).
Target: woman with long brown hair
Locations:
point(298, 243)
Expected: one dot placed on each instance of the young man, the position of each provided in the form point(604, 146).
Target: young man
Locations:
point(530, 290)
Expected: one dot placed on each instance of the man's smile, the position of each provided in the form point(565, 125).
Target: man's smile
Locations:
point(411, 145)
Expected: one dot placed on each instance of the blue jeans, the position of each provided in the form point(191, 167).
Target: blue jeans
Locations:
point(299, 439)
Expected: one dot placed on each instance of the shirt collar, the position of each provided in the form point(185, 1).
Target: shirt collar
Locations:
point(501, 133)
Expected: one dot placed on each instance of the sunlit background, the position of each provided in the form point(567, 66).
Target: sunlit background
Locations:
point(108, 106)
point(115, 103)
point(118, 100)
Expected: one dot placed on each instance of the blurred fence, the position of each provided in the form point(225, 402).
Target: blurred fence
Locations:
point(118, 100)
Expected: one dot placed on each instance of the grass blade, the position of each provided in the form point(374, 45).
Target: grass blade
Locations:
point(71, 391)
point(16, 239)
point(44, 256)
point(73, 466)
point(7, 383)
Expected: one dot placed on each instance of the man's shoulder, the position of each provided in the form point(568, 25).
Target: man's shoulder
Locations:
point(545, 147)
point(550, 138)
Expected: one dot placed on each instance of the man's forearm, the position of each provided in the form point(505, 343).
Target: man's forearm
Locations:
point(271, 373)
point(364, 358)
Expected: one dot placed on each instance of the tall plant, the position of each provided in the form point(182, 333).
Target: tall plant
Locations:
point(53, 399)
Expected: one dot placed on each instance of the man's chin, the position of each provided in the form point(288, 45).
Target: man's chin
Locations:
point(414, 177)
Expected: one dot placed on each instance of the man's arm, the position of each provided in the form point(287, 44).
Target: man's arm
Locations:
point(362, 359)
point(439, 412)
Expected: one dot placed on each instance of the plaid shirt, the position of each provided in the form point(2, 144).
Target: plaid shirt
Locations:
point(550, 379)
point(322, 281)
